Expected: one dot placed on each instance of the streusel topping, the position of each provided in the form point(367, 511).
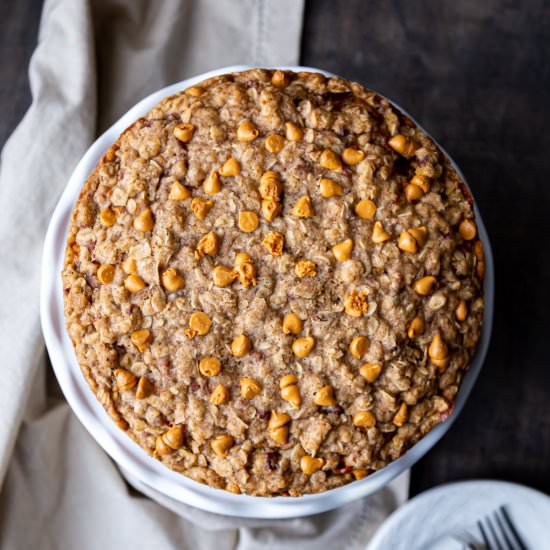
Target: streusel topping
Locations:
point(273, 282)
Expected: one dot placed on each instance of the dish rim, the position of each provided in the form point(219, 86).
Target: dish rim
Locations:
point(447, 491)
point(128, 454)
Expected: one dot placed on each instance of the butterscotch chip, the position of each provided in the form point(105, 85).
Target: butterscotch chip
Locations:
point(232, 488)
point(424, 285)
point(277, 427)
point(330, 160)
point(106, 274)
point(292, 290)
point(356, 304)
point(247, 131)
point(195, 91)
point(144, 388)
point(280, 79)
point(271, 209)
point(200, 323)
point(274, 242)
point(174, 437)
point(162, 448)
point(303, 207)
point(352, 156)
point(401, 415)
point(274, 143)
point(438, 348)
point(208, 245)
point(421, 181)
point(330, 188)
point(370, 372)
point(279, 435)
point(178, 192)
point(144, 221)
point(125, 380)
point(365, 209)
point(342, 251)
point(134, 283)
point(129, 265)
point(210, 366)
point(231, 167)
point(277, 420)
point(292, 324)
point(141, 339)
point(248, 221)
point(270, 185)
point(291, 393)
point(245, 270)
point(302, 347)
point(467, 229)
point(403, 145)
point(359, 346)
point(407, 242)
point(172, 280)
point(223, 276)
point(212, 184)
point(241, 345)
point(420, 234)
point(220, 395)
point(413, 192)
point(360, 473)
point(221, 445)
point(364, 419)
point(293, 132)
point(379, 234)
point(325, 397)
point(107, 217)
point(184, 132)
point(249, 388)
point(416, 328)
point(201, 207)
point(288, 380)
point(461, 311)
point(305, 268)
point(310, 465)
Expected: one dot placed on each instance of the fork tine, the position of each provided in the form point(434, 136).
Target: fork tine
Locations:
point(503, 531)
point(493, 532)
point(512, 527)
point(484, 535)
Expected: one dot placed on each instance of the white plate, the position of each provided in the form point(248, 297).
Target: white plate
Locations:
point(455, 508)
point(127, 453)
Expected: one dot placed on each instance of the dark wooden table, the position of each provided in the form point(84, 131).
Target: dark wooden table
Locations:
point(474, 73)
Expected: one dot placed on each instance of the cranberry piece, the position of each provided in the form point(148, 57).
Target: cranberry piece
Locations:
point(272, 460)
point(336, 409)
point(120, 348)
point(263, 415)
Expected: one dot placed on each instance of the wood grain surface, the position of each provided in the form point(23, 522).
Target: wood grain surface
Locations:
point(476, 74)
point(18, 36)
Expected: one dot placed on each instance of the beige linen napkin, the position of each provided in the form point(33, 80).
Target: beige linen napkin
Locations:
point(93, 61)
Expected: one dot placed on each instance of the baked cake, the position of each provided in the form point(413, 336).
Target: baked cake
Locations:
point(274, 282)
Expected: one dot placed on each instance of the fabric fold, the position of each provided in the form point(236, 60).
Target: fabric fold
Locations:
point(35, 164)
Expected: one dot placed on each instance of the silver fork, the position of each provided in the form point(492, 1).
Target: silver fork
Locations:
point(499, 532)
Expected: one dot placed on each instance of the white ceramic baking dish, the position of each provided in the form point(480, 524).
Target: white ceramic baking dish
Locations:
point(127, 453)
